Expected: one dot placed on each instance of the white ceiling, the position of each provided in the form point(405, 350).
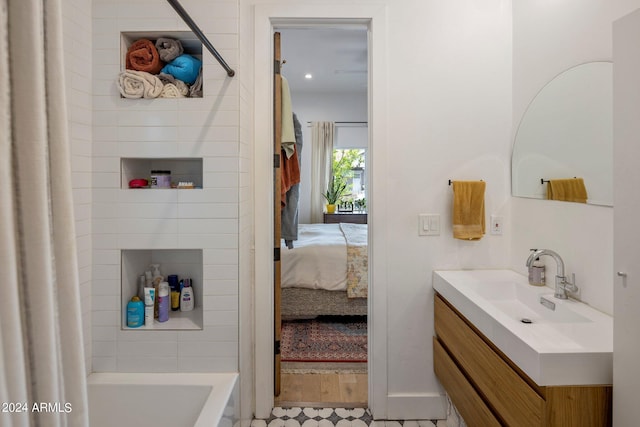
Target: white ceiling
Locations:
point(336, 57)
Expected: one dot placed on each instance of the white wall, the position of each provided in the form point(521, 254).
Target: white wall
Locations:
point(309, 107)
point(78, 56)
point(448, 116)
point(206, 219)
point(548, 38)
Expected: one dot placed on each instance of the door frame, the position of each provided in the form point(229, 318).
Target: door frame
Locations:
point(266, 18)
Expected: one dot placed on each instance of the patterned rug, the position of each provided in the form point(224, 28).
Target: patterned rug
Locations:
point(324, 339)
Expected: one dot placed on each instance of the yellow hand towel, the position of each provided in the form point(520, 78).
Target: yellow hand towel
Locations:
point(568, 190)
point(468, 210)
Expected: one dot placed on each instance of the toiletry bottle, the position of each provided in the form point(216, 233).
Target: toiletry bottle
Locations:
point(142, 282)
point(163, 302)
point(157, 279)
point(135, 312)
point(186, 296)
point(536, 274)
point(149, 300)
point(175, 292)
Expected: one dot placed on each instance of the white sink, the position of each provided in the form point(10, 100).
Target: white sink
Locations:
point(569, 345)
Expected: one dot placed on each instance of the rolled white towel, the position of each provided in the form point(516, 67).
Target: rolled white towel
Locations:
point(182, 87)
point(139, 84)
point(171, 91)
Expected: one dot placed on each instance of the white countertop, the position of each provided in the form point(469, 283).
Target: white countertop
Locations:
point(571, 345)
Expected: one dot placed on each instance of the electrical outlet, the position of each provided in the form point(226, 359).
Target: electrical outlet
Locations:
point(497, 222)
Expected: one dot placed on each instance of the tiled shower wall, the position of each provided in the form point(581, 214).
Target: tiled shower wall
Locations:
point(206, 219)
point(77, 58)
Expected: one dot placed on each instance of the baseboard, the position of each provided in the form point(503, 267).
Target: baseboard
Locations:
point(423, 406)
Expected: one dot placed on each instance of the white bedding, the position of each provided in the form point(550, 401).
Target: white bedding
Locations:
point(318, 259)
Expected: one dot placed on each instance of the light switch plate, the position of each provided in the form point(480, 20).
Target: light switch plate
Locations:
point(428, 225)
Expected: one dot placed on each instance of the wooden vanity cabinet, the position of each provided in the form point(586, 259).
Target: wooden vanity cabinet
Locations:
point(488, 389)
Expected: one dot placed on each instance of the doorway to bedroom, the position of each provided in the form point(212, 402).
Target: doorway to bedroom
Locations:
point(323, 272)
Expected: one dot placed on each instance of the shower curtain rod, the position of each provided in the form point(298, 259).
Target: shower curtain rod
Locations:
point(205, 41)
point(346, 123)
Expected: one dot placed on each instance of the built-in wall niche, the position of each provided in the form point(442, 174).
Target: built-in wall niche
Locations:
point(190, 43)
point(186, 263)
point(182, 170)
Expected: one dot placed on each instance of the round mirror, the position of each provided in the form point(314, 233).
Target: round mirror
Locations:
point(567, 132)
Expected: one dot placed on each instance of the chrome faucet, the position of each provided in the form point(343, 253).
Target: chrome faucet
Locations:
point(562, 283)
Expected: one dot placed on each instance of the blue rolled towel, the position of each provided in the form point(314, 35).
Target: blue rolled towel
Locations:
point(185, 67)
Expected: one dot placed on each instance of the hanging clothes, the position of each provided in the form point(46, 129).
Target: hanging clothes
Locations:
point(289, 212)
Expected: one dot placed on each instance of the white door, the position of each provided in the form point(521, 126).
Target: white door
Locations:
point(626, 294)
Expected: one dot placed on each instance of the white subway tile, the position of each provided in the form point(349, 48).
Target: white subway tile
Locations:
point(207, 118)
point(220, 318)
point(106, 272)
point(148, 210)
point(147, 348)
point(147, 363)
point(220, 287)
point(103, 348)
point(104, 333)
point(208, 134)
point(207, 349)
point(103, 364)
point(105, 195)
point(106, 256)
point(137, 241)
point(106, 318)
point(220, 302)
point(220, 256)
point(148, 118)
point(220, 164)
point(207, 241)
point(209, 226)
point(104, 211)
point(157, 196)
point(105, 302)
point(221, 272)
point(211, 333)
point(105, 241)
point(147, 226)
point(150, 134)
point(147, 335)
point(207, 210)
point(207, 364)
point(220, 179)
point(148, 149)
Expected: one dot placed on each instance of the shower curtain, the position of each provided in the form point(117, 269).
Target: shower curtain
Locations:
point(322, 135)
point(42, 368)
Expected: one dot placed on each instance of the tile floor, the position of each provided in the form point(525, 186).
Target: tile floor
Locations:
point(330, 417)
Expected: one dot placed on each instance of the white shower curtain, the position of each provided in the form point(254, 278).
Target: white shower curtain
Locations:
point(41, 348)
point(322, 135)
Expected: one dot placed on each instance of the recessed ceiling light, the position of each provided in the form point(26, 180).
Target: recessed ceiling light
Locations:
point(308, 76)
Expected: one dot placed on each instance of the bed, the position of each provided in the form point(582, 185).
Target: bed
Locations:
point(326, 271)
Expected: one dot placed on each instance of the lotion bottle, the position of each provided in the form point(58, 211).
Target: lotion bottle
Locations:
point(186, 296)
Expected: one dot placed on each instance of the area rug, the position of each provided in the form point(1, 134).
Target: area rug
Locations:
point(330, 340)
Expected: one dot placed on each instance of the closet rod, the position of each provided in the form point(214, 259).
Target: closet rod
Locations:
point(205, 41)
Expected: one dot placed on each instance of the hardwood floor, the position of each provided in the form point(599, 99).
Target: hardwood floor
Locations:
point(323, 390)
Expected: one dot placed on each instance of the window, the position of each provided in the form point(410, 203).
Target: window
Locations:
point(349, 167)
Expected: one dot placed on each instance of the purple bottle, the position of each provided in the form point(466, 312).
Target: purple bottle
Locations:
point(164, 302)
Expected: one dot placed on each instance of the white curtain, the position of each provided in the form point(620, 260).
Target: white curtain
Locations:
point(41, 348)
point(322, 136)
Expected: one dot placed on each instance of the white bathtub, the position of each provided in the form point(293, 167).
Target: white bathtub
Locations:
point(159, 400)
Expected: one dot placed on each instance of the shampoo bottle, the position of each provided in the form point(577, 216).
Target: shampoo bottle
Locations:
point(163, 302)
point(149, 299)
point(186, 296)
point(135, 312)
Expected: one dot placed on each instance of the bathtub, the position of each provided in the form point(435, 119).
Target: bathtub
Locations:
point(162, 400)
